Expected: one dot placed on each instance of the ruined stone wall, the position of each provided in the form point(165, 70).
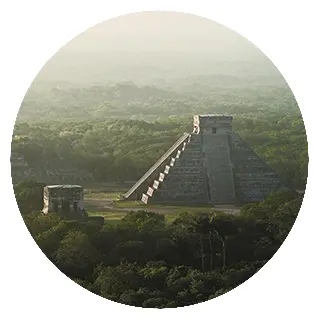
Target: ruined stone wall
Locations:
point(219, 168)
point(55, 196)
point(185, 182)
point(254, 179)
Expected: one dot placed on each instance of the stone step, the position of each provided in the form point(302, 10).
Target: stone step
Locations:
point(144, 198)
point(156, 184)
point(150, 192)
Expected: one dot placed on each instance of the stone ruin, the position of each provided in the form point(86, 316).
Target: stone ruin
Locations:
point(68, 202)
point(212, 165)
point(64, 199)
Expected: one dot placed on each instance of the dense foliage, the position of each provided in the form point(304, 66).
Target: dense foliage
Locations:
point(117, 131)
point(29, 196)
point(125, 149)
point(188, 96)
point(145, 261)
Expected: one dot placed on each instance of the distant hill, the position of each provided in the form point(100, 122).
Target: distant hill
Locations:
point(129, 101)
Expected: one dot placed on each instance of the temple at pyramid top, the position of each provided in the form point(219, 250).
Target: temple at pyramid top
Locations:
point(212, 165)
point(212, 124)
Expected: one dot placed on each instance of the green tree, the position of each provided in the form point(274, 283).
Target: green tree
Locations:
point(76, 257)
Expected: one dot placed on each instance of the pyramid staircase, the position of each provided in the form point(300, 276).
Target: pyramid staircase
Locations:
point(212, 166)
point(152, 179)
point(162, 175)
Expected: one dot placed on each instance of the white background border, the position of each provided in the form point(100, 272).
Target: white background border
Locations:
point(271, 271)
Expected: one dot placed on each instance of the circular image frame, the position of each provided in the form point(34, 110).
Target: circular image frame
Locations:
point(271, 48)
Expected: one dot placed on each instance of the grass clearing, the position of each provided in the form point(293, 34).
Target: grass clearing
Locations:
point(101, 195)
point(106, 204)
point(109, 217)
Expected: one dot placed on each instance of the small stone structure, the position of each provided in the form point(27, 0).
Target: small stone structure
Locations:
point(212, 165)
point(64, 199)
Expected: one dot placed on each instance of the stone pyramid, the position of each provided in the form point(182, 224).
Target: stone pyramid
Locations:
point(212, 165)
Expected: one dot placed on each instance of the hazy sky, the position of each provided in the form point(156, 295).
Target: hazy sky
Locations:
point(153, 45)
point(159, 31)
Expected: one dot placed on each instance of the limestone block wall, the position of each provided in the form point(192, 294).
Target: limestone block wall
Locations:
point(185, 183)
point(254, 179)
point(219, 168)
point(60, 198)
